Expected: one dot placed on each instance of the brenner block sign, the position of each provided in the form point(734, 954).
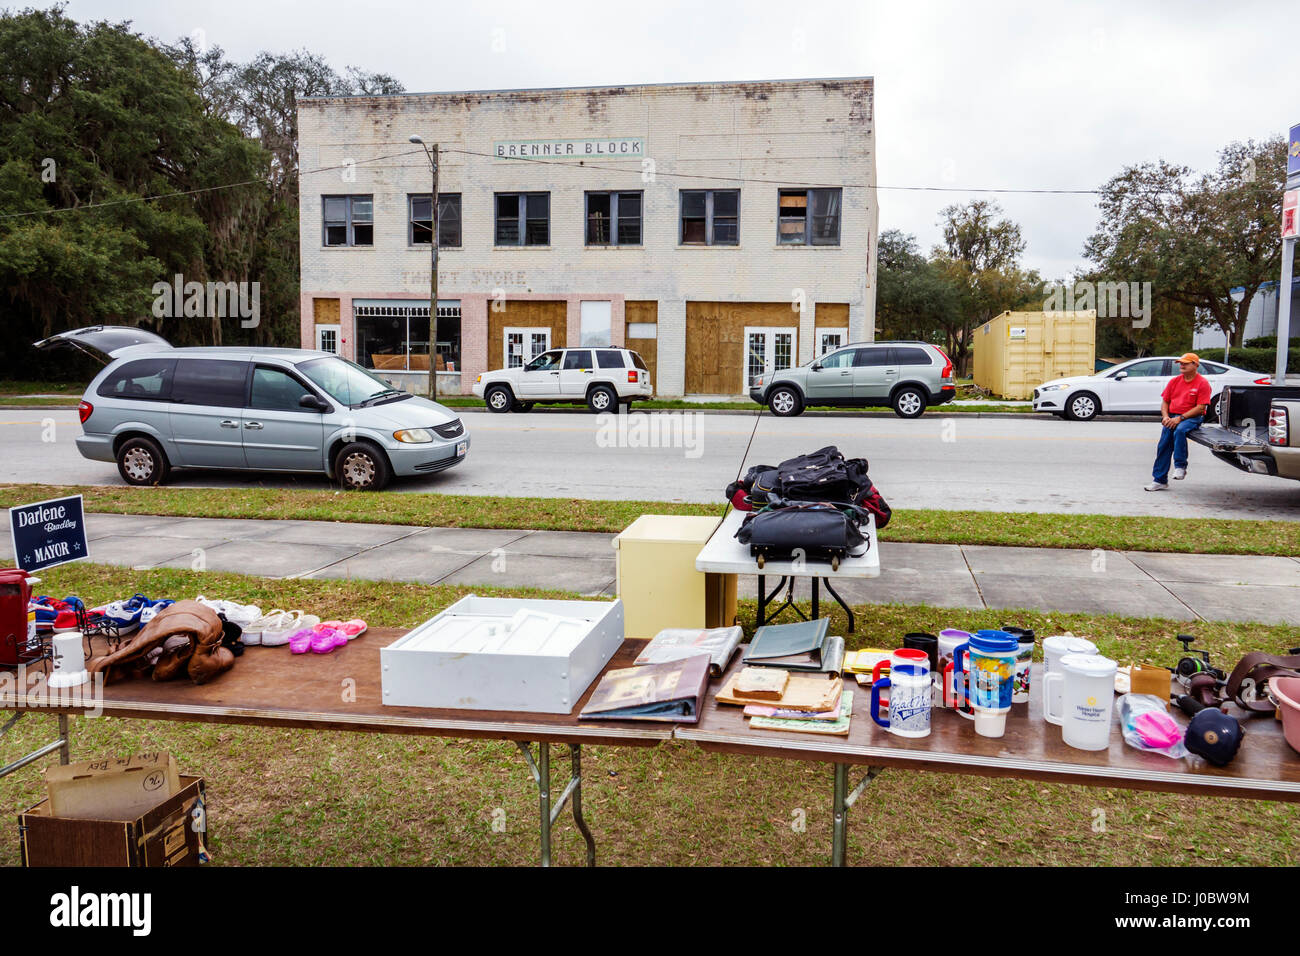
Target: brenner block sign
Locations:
point(611, 147)
point(48, 533)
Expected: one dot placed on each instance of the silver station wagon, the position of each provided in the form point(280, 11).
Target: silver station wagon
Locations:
point(154, 408)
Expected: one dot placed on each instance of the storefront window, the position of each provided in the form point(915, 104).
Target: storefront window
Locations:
point(394, 336)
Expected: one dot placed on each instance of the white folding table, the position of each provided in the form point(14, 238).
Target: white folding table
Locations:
point(723, 554)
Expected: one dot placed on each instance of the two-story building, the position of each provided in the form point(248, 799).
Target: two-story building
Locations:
point(716, 228)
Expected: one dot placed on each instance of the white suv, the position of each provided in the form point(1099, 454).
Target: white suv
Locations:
point(600, 378)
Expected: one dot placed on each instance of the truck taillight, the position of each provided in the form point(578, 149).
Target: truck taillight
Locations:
point(84, 409)
point(1278, 427)
point(631, 375)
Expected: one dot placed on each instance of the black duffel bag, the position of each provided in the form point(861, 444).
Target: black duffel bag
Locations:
point(820, 531)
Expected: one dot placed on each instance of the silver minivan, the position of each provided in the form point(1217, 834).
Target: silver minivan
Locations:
point(154, 408)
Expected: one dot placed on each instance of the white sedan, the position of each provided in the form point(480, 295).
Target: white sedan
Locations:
point(1132, 387)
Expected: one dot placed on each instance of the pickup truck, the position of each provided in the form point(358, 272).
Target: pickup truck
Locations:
point(1255, 430)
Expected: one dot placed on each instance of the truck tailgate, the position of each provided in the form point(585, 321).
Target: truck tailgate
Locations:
point(1221, 439)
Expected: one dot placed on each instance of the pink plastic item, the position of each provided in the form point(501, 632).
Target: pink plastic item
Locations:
point(1287, 692)
point(1158, 730)
point(300, 641)
point(325, 639)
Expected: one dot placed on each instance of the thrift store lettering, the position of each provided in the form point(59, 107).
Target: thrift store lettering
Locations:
point(628, 146)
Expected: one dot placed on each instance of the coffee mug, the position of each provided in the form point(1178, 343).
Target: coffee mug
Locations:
point(920, 641)
point(1024, 660)
point(1054, 648)
point(910, 700)
point(1087, 697)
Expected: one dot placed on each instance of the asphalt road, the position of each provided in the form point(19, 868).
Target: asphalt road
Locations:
point(992, 464)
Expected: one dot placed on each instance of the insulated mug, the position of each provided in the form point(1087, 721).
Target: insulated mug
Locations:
point(1087, 698)
point(904, 655)
point(949, 641)
point(1020, 694)
point(1054, 648)
point(920, 641)
point(984, 675)
point(910, 700)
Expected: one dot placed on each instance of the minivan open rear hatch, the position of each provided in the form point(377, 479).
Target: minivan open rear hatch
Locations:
point(110, 340)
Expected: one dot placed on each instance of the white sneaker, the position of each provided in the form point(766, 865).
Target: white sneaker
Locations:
point(1157, 486)
point(1180, 474)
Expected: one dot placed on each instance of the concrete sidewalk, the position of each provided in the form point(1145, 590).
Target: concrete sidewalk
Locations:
point(1179, 586)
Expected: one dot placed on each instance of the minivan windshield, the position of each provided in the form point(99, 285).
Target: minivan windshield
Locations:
point(346, 381)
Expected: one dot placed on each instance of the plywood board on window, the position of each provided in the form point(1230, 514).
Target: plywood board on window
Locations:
point(524, 313)
point(715, 341)
point(648, 349)
point(325, 311)
point(832, 315)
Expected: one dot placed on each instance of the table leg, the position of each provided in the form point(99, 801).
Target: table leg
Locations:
point(762, 601)
point(843, 801)
point(548, 813)
point(815, 594)
point(60, 744)
point(838, 600)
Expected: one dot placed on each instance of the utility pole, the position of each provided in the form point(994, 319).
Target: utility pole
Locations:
point(432, 153)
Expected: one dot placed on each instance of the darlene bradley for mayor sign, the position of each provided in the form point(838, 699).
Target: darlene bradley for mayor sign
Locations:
point(48, 533)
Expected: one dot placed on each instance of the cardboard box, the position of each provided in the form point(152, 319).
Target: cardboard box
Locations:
point(503, 654)
point(170, 833)
point(112, 788)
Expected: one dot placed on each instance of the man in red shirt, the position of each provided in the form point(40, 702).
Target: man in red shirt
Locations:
point(1182, 406)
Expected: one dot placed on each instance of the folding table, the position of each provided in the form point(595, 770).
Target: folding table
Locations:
point(1264, 769)
point(269, 687)
point(724, 554)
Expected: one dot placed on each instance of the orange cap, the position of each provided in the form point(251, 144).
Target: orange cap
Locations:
point(1190, 357)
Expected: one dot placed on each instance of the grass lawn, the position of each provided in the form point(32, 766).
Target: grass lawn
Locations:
point(1108, 532)
point(311, 798)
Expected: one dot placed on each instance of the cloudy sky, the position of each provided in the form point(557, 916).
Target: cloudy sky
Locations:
point(1032, 95)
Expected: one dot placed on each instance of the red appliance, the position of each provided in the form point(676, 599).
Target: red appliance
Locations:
point(15, 592)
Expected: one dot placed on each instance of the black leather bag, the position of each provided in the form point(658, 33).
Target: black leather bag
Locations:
point(819, 531)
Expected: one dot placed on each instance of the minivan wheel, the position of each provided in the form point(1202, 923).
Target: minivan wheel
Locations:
point(785, 402)
point(1082, 407)
point(602, 398)
point(499, 399)
point(909, 403)
point(141, 462)
point(361, 467)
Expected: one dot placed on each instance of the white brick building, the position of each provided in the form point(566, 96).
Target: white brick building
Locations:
point(714, 227)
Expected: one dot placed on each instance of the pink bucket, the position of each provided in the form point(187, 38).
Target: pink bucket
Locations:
point(1287, 691)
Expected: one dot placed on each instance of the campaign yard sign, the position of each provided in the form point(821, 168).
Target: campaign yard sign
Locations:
point(48, 533)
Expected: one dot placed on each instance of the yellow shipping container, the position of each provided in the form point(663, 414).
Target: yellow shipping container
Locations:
point(1016, 352)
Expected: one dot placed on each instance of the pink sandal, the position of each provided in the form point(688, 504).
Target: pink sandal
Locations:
point(350, 629)
point(325, 639)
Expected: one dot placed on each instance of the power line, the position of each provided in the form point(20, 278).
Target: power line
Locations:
point(777, 182)
point(551, 162)
point(193, 192)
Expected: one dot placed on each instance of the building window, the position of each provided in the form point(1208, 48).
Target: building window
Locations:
point(710, 217)
point(808, 217)
point(521, 346)
point(421, 225)
point(349, 220)
point(393, 335)
point(768, 350)
point(828, 340)
point(523, 219)
point(614, 219)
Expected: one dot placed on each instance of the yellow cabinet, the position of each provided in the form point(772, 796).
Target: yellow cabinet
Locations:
point(657, 580)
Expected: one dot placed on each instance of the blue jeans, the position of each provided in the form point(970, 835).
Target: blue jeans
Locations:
point(1173, 444)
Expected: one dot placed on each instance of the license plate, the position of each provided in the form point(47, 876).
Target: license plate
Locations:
point(461, 448)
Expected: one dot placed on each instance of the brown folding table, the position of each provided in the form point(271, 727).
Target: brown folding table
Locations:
point(1264, 769)
point(270, 687)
